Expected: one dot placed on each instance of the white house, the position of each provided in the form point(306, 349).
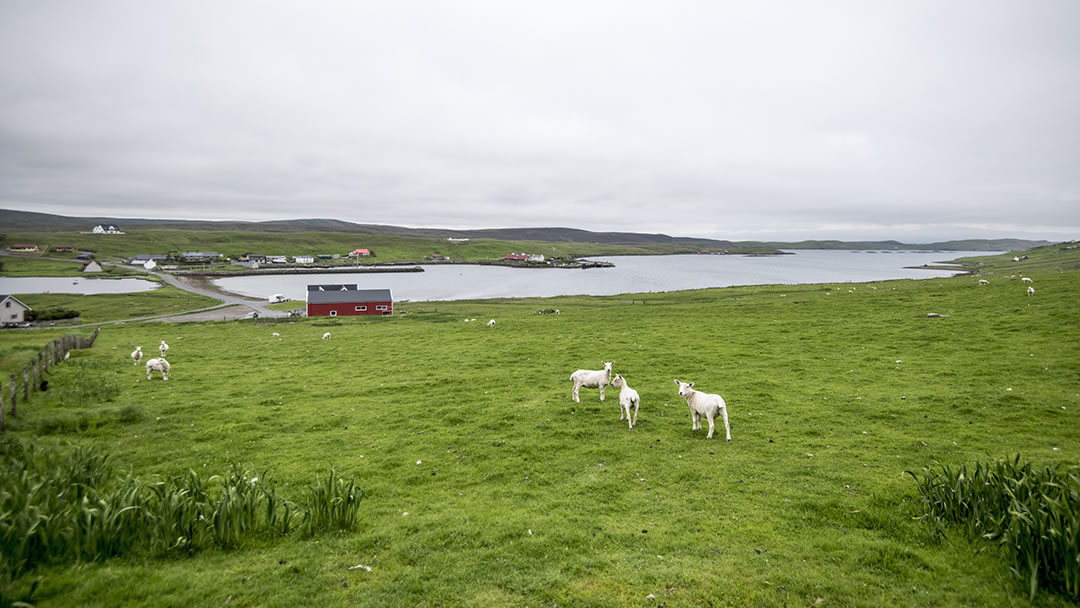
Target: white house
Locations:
point(106, 229)
point(304, 259)
point(536, 257)
point(150, 265)
point(91, 266)
point(12, 310)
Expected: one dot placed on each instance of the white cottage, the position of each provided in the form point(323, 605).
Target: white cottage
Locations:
point(12, 310)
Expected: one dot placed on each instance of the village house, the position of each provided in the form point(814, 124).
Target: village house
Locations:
point(23, 248)
point(12, 310)
point(360, 252)
point(257, 258)
point(106, 229)
point(516, 257)
point(64, 249)
point(347, 300)
point(200, 256)
point(304, 259)
point(91, 266)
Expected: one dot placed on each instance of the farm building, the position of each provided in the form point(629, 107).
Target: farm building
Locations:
point(106, 229)
point(360, 252)
point(23, 248)
point(347, 300)
point(303, 259)
point(64, 249)
point(12, 310)
point(200, 256)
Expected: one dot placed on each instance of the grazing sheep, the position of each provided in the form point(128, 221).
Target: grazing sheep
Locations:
point(163, 348)
point(136, 355)
point(275, 335)
point(704, 403)
point(157, 365)
point(1025, 279)
point(983, 282)
point(591, 379)
point(491, 323)
point(326, 336)
point(1031, 291)
point(627, 397)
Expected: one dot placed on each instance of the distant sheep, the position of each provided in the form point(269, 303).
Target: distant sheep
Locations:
point(591, 379)
point(1031, 291)
point(275, 335)
point(983, 282)
point(705, 404)
point(627, 397)
point(136, 355)
point(163, 348)
point(1025, 279)
point(326, 336)
point(157, 365)
point(491, 323)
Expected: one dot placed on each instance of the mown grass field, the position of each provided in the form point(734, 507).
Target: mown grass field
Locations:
point(485, 485)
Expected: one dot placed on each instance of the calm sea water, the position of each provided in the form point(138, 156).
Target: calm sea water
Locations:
point(631, 274)
point(73, 285)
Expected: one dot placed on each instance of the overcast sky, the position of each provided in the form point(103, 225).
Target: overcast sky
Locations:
point(911, 120)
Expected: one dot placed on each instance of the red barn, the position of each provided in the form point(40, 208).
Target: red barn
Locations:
point(347, 300)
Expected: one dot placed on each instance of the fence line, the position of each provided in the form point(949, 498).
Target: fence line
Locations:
point(33, 373)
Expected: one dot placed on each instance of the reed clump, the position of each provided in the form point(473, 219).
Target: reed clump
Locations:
point(63, 505)
point(1031, 511)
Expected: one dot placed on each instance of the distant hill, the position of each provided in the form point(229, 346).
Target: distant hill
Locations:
point(27, 221)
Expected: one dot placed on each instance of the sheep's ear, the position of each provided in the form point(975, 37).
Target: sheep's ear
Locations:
point(691, 385)
point(676, 381)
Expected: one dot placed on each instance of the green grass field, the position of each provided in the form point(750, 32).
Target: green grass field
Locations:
point(485, 485)
point(386, 248)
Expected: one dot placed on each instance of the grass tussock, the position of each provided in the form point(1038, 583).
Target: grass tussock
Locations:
point(65, 505)
point(1031, 511)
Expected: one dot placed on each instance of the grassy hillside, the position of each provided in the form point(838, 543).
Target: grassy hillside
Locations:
point(485, 485)
point(387, 248)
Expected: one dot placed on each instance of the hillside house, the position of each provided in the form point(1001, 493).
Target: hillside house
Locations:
point(65, 249)
point(200, 256)
point(347, 300)
point(516, 257)
point(106, 229)
point(91, 266)
point(12, 310)
point(360, 252)
point(23, 248)
point(304, 259)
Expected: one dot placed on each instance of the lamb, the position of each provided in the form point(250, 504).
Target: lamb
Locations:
point(591, 379)
point(136, 355)
point(491, 323)
point(983, 282)
point(1031, 291)
point(704, 403)
point(1025, 279)
point(326, 336)
point(157, 365)
point(627, 397)
point(164, 348)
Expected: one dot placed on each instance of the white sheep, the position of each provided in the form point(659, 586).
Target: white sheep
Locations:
point(1025, 279)
point(557, 311)
point(705, 404)
point(627, 397)
point(983, 282)
point(157, 365)
point(326, 336)
point(591, 379)
point(163, 348)
point(275, 335)
point(136, 355)
point(1031, 291)
point(491, 323)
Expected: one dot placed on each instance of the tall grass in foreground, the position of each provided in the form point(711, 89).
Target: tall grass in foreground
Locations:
point(58, 507)
point(1032, 512)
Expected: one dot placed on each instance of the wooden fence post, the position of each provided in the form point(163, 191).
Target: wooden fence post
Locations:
point(14, 400)
point(3, 424)
point(33, 375)
point(25, 384)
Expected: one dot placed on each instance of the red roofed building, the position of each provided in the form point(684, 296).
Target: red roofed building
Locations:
point(359, 252)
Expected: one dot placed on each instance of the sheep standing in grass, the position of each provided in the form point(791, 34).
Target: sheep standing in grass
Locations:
point(157, 365)
point(491, 323)
point(1025, 279)
point(1031, 291)
point(326, 336)
point(705, 404)
point(591, 379)
point(275, 335)
point(136, 355)
point(163, 348)
point(983, 282)
point(627, 397)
